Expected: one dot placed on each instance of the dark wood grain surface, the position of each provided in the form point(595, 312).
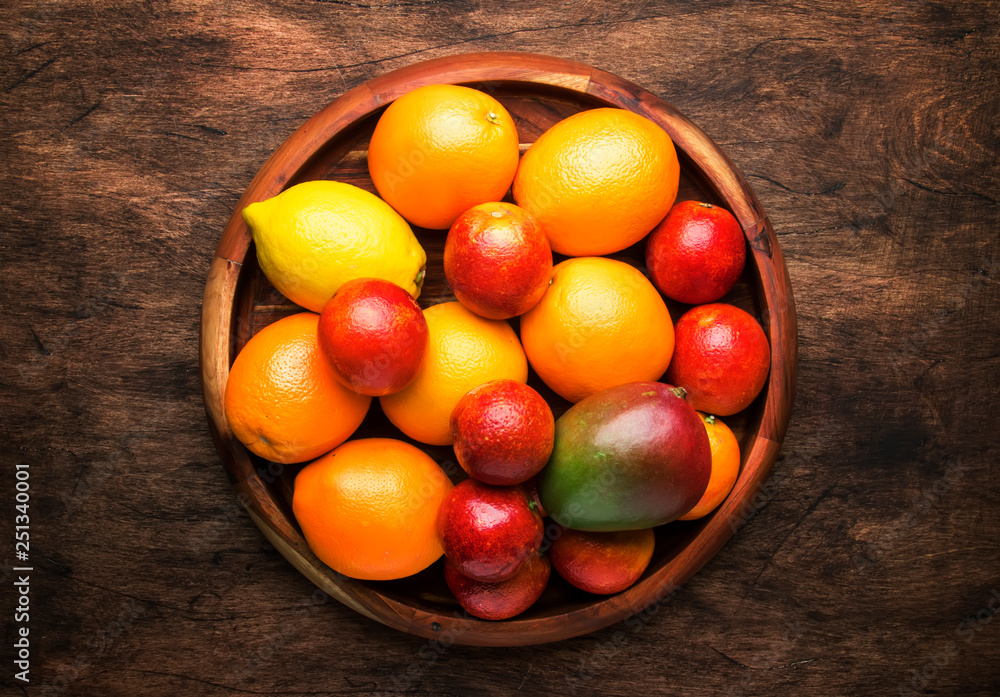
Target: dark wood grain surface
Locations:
point(869, 564)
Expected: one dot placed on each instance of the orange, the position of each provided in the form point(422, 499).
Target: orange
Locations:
point(725, 467)
point(440, 150)
point(464, 350)
point(283, 400)
point(598, 181)
point(369, 509)
point(599, 324)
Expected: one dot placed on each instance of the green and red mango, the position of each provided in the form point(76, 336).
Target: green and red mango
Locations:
point(629, 457)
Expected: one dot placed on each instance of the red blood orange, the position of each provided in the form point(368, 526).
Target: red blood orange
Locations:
point(499, 601)
point(374, 335)
point(696, 254)
point(602, 562)
point(503, 432)
point(489, 532)
point(721, 357)
point(497, 259)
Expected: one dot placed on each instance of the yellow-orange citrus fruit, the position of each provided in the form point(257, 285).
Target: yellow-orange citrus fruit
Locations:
point(440, 150)
point(368, 509)
point(601, 323)
point(283, 400)
point(315, 236)
point(464, 350)
point(598, 181)
point(725, 467)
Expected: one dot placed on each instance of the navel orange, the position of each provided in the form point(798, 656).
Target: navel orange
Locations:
point(598, 181)
point(369, 509)
point(441, 149)
point(464, 350)
point(283, 400)
point(599, 324)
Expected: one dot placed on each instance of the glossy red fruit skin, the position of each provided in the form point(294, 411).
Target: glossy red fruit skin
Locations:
point(374, 335)
point(497, 259)
point(601, 562)
point(628, 457)
point(696, 254)
point(503, 432)
point(488, 532)
point(499, 601)
point(721, 357)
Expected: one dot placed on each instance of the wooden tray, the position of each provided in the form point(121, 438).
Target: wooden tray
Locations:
point(538, 91)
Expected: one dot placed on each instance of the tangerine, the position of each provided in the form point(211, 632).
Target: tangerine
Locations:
point(725, 467)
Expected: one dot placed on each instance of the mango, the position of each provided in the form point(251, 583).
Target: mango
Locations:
point(629, 457)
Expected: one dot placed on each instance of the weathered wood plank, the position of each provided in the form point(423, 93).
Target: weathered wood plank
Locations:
point(869, 132)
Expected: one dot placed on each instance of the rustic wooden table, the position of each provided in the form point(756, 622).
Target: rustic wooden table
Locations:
point(870, 562)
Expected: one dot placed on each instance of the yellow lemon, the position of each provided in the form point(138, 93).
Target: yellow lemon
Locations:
point(464, 350)
point(315, 236)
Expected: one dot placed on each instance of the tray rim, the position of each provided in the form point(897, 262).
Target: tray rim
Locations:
point(218, 322)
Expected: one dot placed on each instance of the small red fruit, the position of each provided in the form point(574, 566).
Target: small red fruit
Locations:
point(696, 254)
point(489, 532)
point(374, 335)
point(721, 357)
point(497, 259)
point(499, 601)
point(602, 562)
point(503, 432)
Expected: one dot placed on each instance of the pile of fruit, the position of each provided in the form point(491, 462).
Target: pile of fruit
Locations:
point(632, 452)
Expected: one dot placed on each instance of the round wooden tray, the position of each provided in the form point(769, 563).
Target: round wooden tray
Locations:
point(538, 91)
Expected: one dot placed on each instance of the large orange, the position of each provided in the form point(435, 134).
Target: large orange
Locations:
point(440, 150)
point(369, 509)
point(599, 324)
point(464, 350)
point(598, 181)
point(283, 400)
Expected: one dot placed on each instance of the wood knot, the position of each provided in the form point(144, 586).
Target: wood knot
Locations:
point(759, 237)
